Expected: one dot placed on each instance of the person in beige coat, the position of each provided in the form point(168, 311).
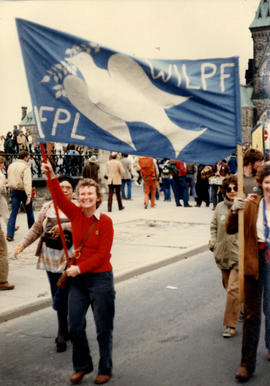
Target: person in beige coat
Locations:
point(20, 185)
point(4, 284)
point(225, 249)
point(115, 171)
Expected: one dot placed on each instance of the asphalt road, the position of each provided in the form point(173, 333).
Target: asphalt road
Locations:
point(167, 333)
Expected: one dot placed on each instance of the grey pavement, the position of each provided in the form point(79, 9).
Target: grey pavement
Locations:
point(145, 239)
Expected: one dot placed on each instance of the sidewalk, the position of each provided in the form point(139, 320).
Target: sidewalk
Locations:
point(145, 239)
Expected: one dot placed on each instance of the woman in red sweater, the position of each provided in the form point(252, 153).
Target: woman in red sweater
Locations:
point(92, 278)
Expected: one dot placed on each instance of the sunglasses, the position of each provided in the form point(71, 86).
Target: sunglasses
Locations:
point(229, 189)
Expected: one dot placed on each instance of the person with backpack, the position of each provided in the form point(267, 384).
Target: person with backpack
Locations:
point(150, 174)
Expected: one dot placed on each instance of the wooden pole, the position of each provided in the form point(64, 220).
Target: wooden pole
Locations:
point(241, 246)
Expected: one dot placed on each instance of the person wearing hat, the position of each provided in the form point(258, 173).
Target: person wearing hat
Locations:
point(91, 169)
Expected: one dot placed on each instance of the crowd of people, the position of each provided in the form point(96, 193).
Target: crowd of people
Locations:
point(90, 278)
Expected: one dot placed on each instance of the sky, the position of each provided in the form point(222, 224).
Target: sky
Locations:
point(170, 29)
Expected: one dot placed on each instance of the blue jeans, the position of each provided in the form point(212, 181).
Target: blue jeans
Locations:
point(59, 295)
point(18, 196)
point(166, 185)
point(128, 183)
point(180, 189)
point(95, 290)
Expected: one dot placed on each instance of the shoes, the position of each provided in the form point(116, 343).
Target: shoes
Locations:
point(100, 379)
point(78, 376)
point(243, 375)
point(241, 317)
point(10, 238)
point(268, 355)
point(229, 332)
point(16, 228)
point(187, 205)
point(145, 205)
point(122, 208)
point(178, 204)
point(60, 346)
point(6, 286)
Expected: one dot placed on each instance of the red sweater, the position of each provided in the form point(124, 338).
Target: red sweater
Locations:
point(96, 253)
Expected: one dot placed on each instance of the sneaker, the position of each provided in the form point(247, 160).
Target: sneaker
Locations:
point(229, 332)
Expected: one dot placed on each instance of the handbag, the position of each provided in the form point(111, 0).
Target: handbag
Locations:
point(56, 242)
point(72, 260)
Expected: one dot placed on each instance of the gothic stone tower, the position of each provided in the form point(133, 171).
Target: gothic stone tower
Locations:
point(259, 67)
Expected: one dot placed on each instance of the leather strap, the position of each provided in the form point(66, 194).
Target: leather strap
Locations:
point(78, 250)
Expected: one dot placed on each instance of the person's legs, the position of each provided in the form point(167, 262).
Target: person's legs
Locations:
point(78, 304)
point(3, 258)
point(166, 188)
point(102, 301)
point(123, 188)
point(29, 213)
point(252, 323)
point(153, 188)
point(60, 305)
point(214, 192)
point(118, 196)
point(175, 189)
point(183, 188)
point(232, 308)
point(110, 197)
point(146, 192)
point(128, 188)
point(266, 299)
point(15, 205)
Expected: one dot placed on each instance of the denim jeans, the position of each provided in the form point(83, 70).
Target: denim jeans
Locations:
point(18, 196)
point(95, 290)
point(166, 185)
point(59, 295)
point(253, 299)
point(128, 183)
point(180, 189)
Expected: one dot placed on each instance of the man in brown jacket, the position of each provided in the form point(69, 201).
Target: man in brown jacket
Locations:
point(115, 170)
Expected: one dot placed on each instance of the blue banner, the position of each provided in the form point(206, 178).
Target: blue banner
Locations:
point(86, 94)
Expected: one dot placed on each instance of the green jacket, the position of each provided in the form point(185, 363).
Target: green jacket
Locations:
point(223, 245)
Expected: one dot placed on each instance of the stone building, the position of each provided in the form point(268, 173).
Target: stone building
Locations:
point(255, 95)
point(28, 123)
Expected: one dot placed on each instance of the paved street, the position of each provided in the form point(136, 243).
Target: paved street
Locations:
point(167, 333)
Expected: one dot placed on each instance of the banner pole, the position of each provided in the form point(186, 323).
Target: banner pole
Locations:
point(240, 179)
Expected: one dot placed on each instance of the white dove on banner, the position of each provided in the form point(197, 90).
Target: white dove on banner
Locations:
point(121, 94)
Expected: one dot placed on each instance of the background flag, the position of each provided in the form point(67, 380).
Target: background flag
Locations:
point(90, 95)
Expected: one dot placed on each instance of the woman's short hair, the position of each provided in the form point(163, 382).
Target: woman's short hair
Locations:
point(262, 172)
point(226, 182)
point(90, 182)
